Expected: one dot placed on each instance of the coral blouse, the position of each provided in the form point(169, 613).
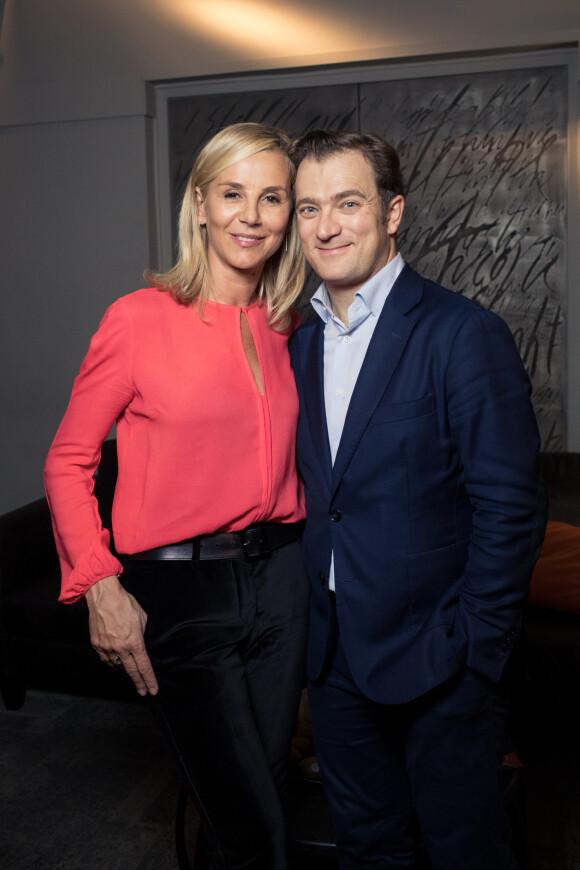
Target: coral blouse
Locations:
point(200, 450)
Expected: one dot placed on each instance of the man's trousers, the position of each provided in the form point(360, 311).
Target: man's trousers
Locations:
point(438, 756)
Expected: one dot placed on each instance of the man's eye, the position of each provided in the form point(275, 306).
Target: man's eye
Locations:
point(307, 210)
point(350, 204)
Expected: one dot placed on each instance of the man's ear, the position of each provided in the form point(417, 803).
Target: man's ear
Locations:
point(200, 205)
point(394, 214)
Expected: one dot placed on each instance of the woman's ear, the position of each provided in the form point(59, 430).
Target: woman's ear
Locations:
point(200, 206)
point(395, 214)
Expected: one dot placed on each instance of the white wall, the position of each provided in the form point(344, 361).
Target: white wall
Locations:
point(73, 162)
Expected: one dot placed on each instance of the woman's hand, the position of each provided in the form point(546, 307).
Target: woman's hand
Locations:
point(117, 624)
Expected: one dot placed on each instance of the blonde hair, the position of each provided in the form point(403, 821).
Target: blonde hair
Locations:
point(283, 274)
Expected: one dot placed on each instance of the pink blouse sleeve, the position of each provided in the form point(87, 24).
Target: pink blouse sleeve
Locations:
point(100, 393)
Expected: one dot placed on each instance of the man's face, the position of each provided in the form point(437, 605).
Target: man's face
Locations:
point(345, 235)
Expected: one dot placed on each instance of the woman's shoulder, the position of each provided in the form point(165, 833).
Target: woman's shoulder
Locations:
point(147, 303)
point(147, 298)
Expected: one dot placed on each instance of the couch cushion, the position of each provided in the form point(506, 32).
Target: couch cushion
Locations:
point(556, 578)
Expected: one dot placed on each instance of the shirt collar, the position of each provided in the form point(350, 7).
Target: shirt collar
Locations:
point(373, 294)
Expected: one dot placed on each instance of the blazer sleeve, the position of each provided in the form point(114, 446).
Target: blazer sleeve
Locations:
point(493, 426)
point(100, 393)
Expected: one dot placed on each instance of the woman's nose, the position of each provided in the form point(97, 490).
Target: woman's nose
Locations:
point(250, 212)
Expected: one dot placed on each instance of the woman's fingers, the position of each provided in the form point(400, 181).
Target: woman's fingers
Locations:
point(117, 623)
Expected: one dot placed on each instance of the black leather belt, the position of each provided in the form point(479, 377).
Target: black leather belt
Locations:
point(251, 543)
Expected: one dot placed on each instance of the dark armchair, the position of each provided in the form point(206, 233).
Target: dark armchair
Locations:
point(44, 644)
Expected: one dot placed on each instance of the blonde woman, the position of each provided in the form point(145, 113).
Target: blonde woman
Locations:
point(206, 611)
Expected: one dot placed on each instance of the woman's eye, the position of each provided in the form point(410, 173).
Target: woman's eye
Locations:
point(272, 198)
point(231, 194)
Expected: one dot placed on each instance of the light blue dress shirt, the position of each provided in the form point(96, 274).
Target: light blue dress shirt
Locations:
point(345, 348)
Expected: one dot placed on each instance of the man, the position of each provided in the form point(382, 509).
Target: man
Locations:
point(417, 443)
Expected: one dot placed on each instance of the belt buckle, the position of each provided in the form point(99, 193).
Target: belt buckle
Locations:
point(255, 542)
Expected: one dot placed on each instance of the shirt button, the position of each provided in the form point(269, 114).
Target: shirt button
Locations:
point(346, 339)
point(335, 516)
point(322, 578)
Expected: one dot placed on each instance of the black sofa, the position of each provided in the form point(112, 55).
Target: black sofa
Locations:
point(44, 644)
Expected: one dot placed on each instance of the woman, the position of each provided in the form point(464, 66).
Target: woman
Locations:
point(206, 611)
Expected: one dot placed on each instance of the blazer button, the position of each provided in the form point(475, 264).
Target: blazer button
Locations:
point(322, 578)
point(335, 516)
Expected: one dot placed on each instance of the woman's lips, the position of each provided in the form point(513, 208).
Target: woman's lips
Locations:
point(247, 241)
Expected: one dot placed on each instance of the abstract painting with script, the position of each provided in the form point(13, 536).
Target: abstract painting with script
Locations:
point(484, 157)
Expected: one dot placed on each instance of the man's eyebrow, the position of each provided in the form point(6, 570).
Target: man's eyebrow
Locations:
point(343, 194)
point(306, 199)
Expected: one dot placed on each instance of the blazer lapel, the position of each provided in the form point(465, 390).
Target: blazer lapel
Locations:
point(384, 352)
point(312, 360)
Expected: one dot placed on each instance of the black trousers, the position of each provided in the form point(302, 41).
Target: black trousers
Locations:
point(227, 642)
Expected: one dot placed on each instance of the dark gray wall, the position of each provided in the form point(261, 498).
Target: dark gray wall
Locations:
point(74, 184)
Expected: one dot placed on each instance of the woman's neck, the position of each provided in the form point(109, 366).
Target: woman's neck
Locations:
point(230, 288)
point(234, 295)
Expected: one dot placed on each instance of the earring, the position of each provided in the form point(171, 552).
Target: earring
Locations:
point(202, 223)
point(286, 248)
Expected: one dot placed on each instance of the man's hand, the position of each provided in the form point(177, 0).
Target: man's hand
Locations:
point(116, 624)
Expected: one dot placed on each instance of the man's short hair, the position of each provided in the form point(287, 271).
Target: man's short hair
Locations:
point(383, 158)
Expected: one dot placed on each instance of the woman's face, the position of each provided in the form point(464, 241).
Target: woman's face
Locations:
point(246, 210)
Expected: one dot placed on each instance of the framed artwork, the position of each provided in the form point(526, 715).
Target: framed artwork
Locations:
point(485, 155)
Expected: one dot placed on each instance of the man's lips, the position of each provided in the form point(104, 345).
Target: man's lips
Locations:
point(336, 249)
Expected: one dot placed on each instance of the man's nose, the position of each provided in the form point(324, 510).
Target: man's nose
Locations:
point(328, 225)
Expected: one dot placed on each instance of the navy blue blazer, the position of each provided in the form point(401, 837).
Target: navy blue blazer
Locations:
point(432, 503)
